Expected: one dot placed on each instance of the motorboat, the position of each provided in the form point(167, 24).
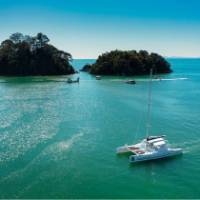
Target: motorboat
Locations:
point(98, 77)
point(131, 82)
point(69, 80)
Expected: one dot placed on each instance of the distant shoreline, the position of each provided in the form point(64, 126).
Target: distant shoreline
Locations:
point(164, 57)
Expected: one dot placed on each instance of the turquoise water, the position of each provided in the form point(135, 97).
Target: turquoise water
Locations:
point(58, 140)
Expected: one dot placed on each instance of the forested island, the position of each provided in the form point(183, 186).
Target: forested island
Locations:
point(29, 56)
point(128, 63)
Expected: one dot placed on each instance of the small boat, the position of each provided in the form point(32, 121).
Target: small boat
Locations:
point(69, 80)
point(132, 82)
point(151, 147)
point(158, 78)
point(98, 77)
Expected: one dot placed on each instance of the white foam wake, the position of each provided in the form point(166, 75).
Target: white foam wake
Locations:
point(137, 80)
point(67, 144)
point(163, 79)
point(190, 146)
point(173, 79)
point(147, 80)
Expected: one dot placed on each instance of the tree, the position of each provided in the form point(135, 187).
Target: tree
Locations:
point(18, 59)
point(17, 37)
point(29, 39)
point(43, 39)
point(66, 56)
point(128, 63)
point(7, 44)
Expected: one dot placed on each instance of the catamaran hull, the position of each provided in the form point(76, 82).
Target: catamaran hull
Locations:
point(123, 150)
point(143, 158)
point(127, 148)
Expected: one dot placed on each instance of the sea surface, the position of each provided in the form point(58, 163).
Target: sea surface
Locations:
point(58, 140)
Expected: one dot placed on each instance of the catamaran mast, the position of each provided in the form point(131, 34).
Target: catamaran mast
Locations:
point(148, 125)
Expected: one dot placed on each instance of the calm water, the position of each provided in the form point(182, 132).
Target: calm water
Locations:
point(59, 140)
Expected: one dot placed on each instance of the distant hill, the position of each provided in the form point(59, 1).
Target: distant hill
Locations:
point(28, 56)
point(128, 63)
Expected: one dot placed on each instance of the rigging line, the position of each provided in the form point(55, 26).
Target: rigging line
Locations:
point(148, 125)
point(138, 127)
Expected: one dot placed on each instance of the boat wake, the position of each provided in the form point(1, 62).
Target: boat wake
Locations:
point(155, 80)
point(58, 150)
point(67, 144)
point(51, 153)
point(163, 79)
point(190, 146)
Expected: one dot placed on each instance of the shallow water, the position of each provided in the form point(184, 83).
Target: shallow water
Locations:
point(58, 140)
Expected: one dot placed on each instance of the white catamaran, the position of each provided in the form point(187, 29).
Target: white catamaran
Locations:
point(152, 147)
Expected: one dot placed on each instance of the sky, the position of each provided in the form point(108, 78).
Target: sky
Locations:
point(88, 28)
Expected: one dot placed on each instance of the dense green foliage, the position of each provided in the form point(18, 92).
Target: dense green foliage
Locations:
point(86, 68)
point(128, 63)
point(25, 55)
